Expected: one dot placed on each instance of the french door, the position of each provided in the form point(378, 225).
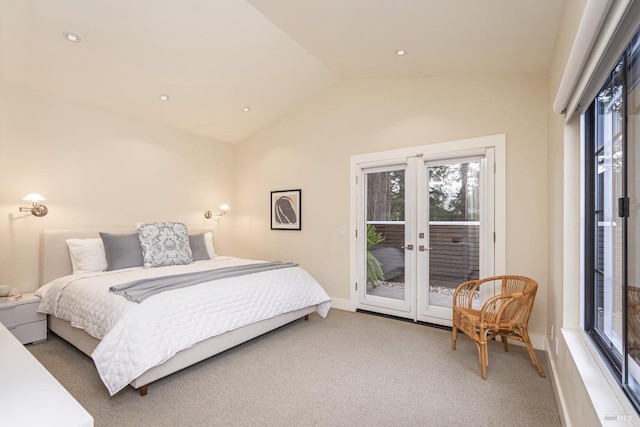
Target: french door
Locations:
point(425, 224)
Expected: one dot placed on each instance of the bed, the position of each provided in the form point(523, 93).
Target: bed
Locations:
point(183, 326)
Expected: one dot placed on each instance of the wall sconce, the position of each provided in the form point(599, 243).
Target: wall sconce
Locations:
point(223, 210)
point(36, 208)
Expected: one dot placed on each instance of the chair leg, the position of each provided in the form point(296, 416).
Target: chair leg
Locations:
point(532, 353)
point(454, 336)
point(484, 359)
point(483, 350)
point(480, 353)
point(479, 347)
point(505, 343)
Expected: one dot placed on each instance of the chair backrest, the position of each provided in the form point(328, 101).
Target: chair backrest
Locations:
point(633, 314)
point(518, 309)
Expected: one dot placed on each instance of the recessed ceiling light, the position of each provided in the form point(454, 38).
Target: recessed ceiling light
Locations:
point(72, 37)
point(401, 52)
point(246, 109)
point(164, 97)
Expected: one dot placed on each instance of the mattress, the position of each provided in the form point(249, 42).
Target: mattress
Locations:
point(136, 337)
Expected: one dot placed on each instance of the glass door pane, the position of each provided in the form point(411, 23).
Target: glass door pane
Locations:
point(453, 227)
point(386, 273)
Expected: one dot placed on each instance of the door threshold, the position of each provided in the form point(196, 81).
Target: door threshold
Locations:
point(404, 319)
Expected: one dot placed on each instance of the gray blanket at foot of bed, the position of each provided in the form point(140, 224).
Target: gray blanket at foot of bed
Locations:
point(139, 290)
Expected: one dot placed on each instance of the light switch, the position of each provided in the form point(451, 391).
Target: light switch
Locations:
point(342, 232)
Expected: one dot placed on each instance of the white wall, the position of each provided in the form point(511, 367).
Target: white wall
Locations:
point(558, 148)
point(97, 168)
point(585, 389)
point(310, 149)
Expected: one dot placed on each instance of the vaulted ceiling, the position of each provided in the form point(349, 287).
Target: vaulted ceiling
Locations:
point(216, 58)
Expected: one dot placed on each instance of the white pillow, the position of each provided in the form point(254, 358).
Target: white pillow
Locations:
point(87, 255)
point(208, 242)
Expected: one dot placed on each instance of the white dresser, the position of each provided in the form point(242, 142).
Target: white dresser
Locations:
point(29, 394)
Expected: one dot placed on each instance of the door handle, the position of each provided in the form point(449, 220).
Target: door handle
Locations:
point(409, 247)
point(421, 248)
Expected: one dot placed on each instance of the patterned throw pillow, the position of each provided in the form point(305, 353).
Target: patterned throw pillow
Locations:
point(164, 243)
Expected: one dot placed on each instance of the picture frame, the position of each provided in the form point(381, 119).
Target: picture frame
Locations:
point(286, 210)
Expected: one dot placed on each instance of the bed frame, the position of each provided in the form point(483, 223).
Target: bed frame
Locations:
point(55, 262)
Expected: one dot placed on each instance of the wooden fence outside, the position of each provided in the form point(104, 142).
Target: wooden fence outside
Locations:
point(453, 254)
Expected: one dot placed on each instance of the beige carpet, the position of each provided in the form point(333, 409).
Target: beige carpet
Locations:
point(351, 369)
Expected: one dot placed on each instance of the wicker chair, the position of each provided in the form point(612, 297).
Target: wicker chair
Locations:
point(505, 314)
point(633, 320)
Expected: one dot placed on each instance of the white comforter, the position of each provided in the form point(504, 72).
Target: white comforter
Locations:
point(136, 337)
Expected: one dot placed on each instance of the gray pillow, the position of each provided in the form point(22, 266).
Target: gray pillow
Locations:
point(198, 247)
point(122, 250)
point(164, 243)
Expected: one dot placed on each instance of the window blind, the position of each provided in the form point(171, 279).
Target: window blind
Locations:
point(620, 25)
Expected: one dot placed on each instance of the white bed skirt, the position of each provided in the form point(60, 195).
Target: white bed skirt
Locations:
point(185, 358)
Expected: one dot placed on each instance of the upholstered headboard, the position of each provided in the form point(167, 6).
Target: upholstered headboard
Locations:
point(55, 260)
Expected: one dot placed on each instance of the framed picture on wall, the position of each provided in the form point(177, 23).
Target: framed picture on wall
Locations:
point(286, 210)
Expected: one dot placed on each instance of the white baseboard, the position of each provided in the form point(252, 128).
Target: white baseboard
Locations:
point(342, 304)
point(537, 341)
point(555, 383)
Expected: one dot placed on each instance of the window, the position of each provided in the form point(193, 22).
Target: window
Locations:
point(611, 127)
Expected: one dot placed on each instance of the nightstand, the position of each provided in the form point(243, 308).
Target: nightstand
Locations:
point(21, 318)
